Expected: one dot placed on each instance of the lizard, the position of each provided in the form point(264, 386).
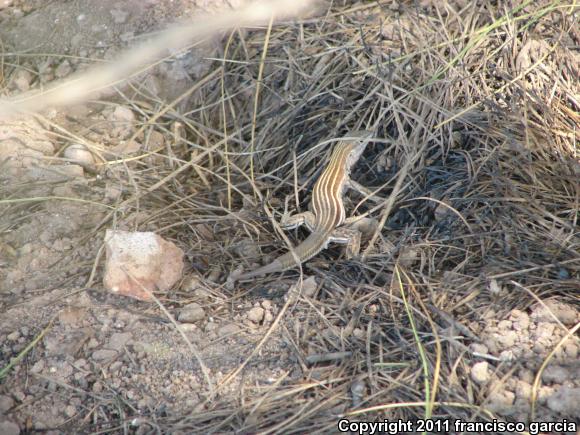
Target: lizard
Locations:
point(326, 212)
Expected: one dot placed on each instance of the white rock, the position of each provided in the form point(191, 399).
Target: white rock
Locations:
point(78, 153)
point(140, 263)
point(256, 314)
point(480, 372)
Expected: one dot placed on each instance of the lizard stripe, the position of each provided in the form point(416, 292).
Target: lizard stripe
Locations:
point(326, 204)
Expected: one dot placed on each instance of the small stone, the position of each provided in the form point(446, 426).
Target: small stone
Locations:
point(479, 348)
point(123, 114)
point(115, 367)
point(191, 313)
point(92, 343)
point(520, 320)
point(507, 355)
point(118, 340)
point(309, 286)
point(507, 339)
point(552, 308)
point(192, 283)
point(229, 329)
point(544, 393)
point(63, 70)
point(9, 428)
point(113, 191)
point(69, 170)
point(6, 403)
point(480, 372)
point(247, 249)
point(544, 331)
point(501, 400)
point(504, 324)
point(81, 363)
point(211, 326)
point(188, 327)
point(19, 395)
point(13, 336)
point(79, 153)
point(104, 355)
point(21, 80)
point(563, 273)
point(214, 274)
point(523, 390)
point(555, 374)
point(565, 400)
point(256, 314)
point(571, 350)
point(494, 287)
point(38, 366)
point(408, 256)
point(119, 16)
point(97, 387)
point(70, 411)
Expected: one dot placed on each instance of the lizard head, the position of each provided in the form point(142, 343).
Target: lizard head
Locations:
point(354, 144)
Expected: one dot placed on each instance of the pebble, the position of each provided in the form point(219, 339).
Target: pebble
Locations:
point(122, 113)
point(70, 411)
point(256, 314)
point(6, 402)
point(104, 354)
point(119, 16)
point(555, 374)
point(229, 329)
point(479, 348)
point(480, 372)
point(118, 340)
point(13, 336)
point(38, 366)
point(79, 153)
point(191, 313)
point(309, 286)
point(192, 284)
point(22, 80)
point(63, 70)
point(564, 400)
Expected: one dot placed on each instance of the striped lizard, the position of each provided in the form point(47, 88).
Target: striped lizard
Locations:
point(326, 210)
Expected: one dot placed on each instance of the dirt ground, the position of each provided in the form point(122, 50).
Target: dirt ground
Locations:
point(94, 362)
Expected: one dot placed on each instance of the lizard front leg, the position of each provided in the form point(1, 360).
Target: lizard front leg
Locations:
point(289, 222)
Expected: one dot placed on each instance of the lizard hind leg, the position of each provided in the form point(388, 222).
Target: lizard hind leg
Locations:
point(349, 237)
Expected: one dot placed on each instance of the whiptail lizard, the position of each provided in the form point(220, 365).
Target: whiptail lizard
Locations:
point(327, 210)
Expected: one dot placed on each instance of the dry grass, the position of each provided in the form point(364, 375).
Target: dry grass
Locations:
point(479, 103)
point(481, 100)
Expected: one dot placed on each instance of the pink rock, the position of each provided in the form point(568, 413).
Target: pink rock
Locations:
point(140, 259)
